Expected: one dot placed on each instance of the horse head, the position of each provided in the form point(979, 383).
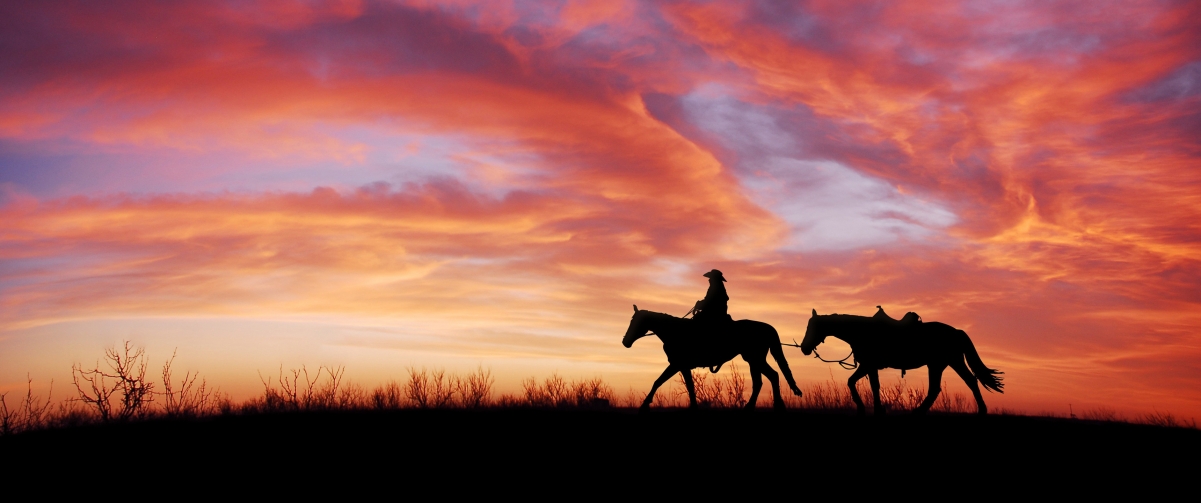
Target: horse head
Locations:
point(637, 328)
point(813, 335)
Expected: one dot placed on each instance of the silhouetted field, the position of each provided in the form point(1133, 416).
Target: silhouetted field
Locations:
point(441, 426)
point(522, 449)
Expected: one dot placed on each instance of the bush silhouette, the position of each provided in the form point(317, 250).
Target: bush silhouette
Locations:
point(120, 391)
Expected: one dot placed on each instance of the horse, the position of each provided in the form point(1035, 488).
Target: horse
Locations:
point(879, 345)
point(688, 346)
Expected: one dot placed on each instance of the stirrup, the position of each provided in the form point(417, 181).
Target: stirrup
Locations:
point(713, 370)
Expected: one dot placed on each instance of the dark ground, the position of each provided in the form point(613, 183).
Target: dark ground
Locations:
point(602, 451)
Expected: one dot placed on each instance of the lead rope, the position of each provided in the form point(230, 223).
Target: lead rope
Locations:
point(843, 362)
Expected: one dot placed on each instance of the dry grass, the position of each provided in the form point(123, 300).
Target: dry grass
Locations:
point(1168, 420)
point(557, 392)
point(121, 391)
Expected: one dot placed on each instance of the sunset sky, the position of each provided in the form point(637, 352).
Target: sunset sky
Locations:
point(459, 184)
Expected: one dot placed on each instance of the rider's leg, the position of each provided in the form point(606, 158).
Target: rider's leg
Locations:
point(667, 373)
point(873, 377)
point(935, 387)
point(961, 368)
point(855, 377)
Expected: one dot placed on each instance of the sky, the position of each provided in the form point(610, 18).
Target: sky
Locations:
point(460, 184)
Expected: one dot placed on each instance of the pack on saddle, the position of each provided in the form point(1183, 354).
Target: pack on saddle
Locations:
point(900, 327)
point(910, 319)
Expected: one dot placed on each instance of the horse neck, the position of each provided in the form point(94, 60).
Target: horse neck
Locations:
point(663, 325)
point(850, 331)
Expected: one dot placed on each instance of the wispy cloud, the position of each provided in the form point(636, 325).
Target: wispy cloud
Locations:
point(521, 172)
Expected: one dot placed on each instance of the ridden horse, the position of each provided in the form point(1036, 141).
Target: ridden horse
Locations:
point(688, 346)
point(878, 345)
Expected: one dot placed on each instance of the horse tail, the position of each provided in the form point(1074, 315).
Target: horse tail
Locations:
point(989, 378)
point(777, 352)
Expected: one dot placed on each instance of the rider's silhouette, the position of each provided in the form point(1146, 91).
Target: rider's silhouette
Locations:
point(712, 309)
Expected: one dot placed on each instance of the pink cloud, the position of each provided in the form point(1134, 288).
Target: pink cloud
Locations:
point(1056, 146)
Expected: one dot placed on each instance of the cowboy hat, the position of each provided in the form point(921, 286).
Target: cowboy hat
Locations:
point(714, 274)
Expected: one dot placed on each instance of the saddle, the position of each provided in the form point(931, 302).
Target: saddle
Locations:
point(910, 319)
point(712, 327)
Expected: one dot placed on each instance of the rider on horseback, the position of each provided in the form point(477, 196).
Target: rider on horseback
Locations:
point(712, 309)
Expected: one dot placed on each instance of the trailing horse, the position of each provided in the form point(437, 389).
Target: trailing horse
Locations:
point(688, 346)
point(878, 345)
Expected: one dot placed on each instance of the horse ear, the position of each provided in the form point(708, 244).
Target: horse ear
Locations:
point(635, 308)
point(815, 312)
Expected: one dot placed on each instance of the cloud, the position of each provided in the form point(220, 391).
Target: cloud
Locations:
point(523, 171)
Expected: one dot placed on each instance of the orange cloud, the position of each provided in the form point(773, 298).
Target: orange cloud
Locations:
point(587, 173)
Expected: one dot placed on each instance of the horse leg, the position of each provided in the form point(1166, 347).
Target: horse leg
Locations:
point(968, 377)
point(667, 373)
point(873, 377)
point(774, 378)
point(935, 388)
point(687, 375)
point(855, 377)
point(756, 383)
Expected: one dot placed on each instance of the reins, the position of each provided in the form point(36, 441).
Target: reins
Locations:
point(843, 362)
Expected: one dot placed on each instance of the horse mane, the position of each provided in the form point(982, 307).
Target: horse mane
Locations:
point(662, 317)
point(656, 314)
point(852, 318)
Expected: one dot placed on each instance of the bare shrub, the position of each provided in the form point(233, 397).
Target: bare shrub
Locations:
point(1165, 419)
point(533, 394)
point(300, 390)
point(663, 399)
point(475, 390)
point(508, 401)
point(1102, 414)
point(709, 392)
point(191, 400)
point(900, 396)
point(351, 396)
point(592, 393)
point(283, 398)
point(634, 398)
point(225, 405)
point(32, 413)
point(70, 413)
point(554, 391)
point(734, 390)
point(429, 389)
point(128, 377)
point(388, 396)
point(324, 396)
point(9, 420)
